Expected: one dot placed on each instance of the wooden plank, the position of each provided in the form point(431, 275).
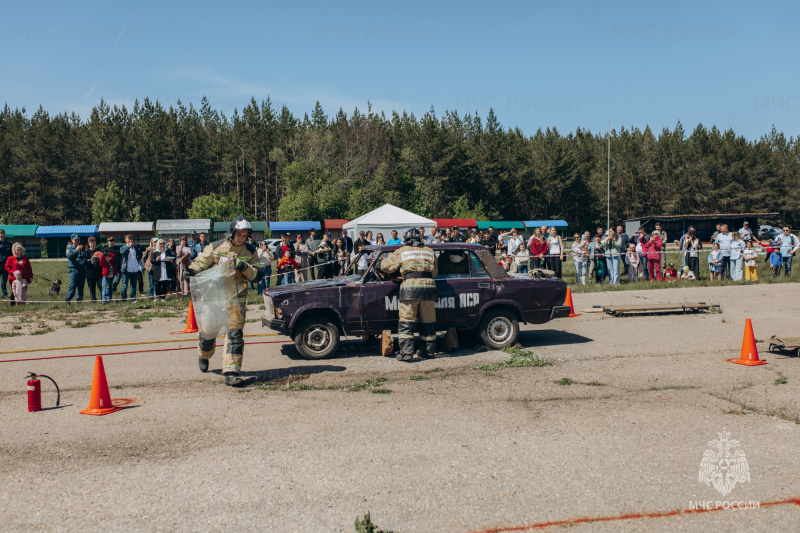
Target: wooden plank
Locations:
point(619, 310)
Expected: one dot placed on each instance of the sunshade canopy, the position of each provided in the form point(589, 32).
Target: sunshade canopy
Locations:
point(501, 224)
point(67, 231)
point(183, 226)
point(301, 225)
point(126, 227)
point(19, 230)
point(385, 219)
point(455, 222)
point(533, 224)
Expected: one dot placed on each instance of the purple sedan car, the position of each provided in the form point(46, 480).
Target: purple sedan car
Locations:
point(475, 293)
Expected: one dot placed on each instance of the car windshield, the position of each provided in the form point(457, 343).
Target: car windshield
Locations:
point(358, 266)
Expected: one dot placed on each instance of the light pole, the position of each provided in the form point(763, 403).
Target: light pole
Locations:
point(608, 197)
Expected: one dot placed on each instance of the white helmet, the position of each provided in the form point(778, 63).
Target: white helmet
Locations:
point(241, 223)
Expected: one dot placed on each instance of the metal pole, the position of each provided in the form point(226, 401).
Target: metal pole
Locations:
point(608, 199)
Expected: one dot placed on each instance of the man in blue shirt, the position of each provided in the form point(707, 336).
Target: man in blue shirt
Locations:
point(788, 244)
point(76, 261)
point(394, 239)
point(198, 246)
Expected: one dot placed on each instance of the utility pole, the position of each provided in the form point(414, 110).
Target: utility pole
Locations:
point(608, 198)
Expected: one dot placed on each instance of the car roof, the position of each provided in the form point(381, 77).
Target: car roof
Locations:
point(442, 246)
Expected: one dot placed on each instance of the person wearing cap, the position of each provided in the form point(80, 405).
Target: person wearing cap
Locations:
point(192, 239)
point(688, 274)
point(745, 233)
point(361, 241)
point(347, 242)
point(670, 274)
point(76, 262)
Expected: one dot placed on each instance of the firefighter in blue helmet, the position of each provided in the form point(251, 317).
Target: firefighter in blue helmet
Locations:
point(247, 267)
point(417, 264)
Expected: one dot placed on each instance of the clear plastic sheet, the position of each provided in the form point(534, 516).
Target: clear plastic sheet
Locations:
point(213, 293)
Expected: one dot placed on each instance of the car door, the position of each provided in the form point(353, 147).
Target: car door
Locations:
point(379, 303)
point(463, 288)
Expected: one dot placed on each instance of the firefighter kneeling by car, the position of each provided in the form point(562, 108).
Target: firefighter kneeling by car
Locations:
point(417, 265)
point(247, 268)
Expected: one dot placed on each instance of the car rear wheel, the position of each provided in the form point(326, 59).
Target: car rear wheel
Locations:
point(317, 338)
point(499, 329)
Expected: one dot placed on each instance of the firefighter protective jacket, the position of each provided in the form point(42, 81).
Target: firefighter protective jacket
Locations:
point(418, 268)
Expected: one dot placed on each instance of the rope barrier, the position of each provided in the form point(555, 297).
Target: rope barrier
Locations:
point(118, 344)
point(124, 353)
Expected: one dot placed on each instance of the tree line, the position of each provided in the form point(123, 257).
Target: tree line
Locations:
point(155, 162)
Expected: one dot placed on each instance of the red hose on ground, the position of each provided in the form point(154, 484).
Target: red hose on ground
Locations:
point(122, 353)
point(633, 516)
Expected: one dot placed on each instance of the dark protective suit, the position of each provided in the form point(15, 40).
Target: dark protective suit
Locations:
point(417, 298)
point(213, 254)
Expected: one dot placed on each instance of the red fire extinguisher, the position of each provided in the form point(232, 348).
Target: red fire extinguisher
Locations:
point(35, 392)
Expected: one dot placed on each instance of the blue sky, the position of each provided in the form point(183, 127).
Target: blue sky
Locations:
point(538, 64)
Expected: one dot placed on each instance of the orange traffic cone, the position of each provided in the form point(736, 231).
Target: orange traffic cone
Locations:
point(568, 301)
point(191, 322)
point(100, 400)
point(749, 355)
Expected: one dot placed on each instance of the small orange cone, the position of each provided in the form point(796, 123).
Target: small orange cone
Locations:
point(568, 301)
point(191, 322)
point(749, 355)
point(100, 400)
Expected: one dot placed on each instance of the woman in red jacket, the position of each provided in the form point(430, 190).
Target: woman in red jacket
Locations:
point(652, 251)
point(19, 261)
point(538, 249)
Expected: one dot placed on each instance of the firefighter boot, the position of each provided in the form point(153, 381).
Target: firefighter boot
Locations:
point(232, 379)
point(427, 333)
point(405, 340)
point(203, 364)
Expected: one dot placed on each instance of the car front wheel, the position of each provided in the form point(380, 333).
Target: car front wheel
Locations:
point(499, 329)
point(317, 338)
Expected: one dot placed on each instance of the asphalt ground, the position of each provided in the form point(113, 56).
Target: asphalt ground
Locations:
point(450, 448)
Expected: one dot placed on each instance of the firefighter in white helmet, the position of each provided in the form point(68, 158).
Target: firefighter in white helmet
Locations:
point(247, 268)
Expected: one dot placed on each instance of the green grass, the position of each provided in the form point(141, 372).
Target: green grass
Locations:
point(781, 381)
point(672, 387)
point(437, 369)
point(370, 384)
point(596, 384)
point(523, 358)
point(4, 334)
point(793, 416)
point(365, 525)
point(418, 378)
point(565, 381)
point(519, 358)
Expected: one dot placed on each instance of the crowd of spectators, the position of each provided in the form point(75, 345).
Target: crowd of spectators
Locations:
point(603, 257)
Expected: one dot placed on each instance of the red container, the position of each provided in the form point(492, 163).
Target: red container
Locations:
point(34, 395)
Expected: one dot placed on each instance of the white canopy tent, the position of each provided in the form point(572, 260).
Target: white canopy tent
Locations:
point(384, 220)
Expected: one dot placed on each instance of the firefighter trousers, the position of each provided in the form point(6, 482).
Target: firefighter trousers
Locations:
point(234, 339)
point(411, 312)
